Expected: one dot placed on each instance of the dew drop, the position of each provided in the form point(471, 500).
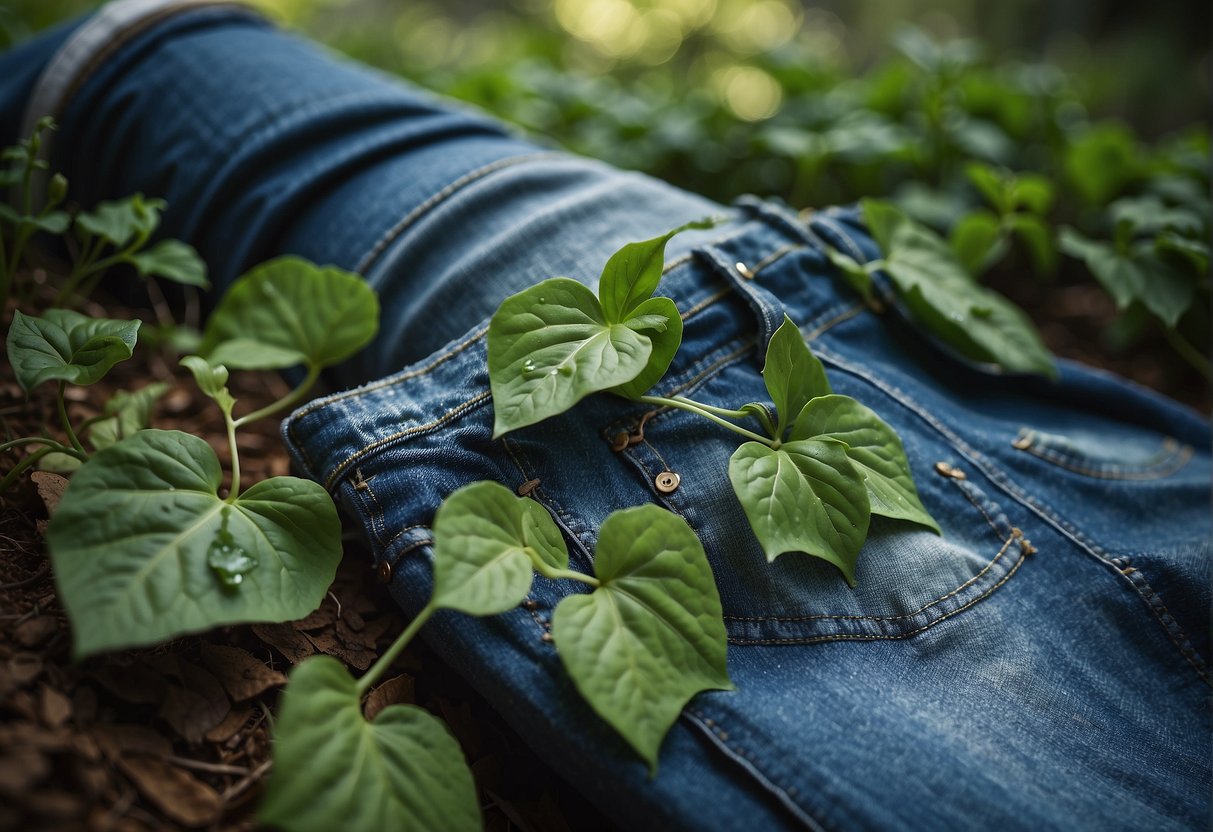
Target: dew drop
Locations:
point(542, 300)
point(228, 561)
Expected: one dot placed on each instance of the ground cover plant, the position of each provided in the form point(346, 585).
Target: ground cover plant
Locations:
point(992, 171)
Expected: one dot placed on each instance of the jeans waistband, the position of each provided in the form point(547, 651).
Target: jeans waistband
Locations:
point(724, 289)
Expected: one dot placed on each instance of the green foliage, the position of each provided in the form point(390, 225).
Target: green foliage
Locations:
point(335, 770)
point(486, 542)
point(941, 296)
point(555, 343)
point(133, 537)
point(793, 375)
point(289, 311)
point(651, 634)
point(66, 346)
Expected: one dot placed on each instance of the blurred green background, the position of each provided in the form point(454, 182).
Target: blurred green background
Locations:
point(1049, 141)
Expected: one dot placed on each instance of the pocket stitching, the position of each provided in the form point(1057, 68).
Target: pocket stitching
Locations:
point(1172, 457)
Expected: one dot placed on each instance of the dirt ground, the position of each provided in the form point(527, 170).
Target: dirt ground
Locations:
point(178, 736)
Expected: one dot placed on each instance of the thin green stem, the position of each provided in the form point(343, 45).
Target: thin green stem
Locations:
point(235, 452)
point(53, 444)
point(289, 400)
point(1189, 353)
point(719, 411)
point(67, 424)
point(30, 460)
point(694, 407)
point(563, 574)
point(385, 661)
point(5, 275)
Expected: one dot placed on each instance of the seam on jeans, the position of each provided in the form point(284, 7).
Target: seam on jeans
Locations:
point(1164, 617)
point(472, 337)
point(1007, 485)
point(850, 311)
point(377, 517)
point(412, 547)
point(784, 795)
point(563, 518)
point(1167, 461)
point(849, 243)
point(826, 616)
point(389, 236)
point(711, 299)
point(401, 534)
point(858, 637)
point(773, 257)
point(453, 413)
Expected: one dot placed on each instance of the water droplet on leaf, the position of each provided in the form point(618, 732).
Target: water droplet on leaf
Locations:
point(229, 561)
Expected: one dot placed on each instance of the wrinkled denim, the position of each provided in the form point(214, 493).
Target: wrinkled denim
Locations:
point(1044, 664)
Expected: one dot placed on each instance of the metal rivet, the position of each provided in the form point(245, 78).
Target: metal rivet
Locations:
point(948, 471)
point(667, 482)
point(384, 572)
point(527, 487)
point(743, 270)
point(530, 605)
point(1022, 442)
point(619, 441)
point(547, 637)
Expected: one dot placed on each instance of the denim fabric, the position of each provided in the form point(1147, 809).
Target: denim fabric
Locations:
point(1042, 664)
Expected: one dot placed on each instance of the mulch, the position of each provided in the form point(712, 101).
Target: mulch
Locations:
point(178, 736)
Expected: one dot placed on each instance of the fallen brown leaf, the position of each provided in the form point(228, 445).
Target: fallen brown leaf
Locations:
point(178, 794)
point(241, 674)
point(116, 740)
point(135, 683)
point(34, 631)
point(395, 690)
point(25, 667)
point(231, 725)
point(286, 640)
point(50, 488)
point(56, 707)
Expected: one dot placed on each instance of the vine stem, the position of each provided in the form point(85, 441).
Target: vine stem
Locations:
point(289, 400)
point(53, 444)
point(67, 425)
point(683, 403)
point(390, 655)
point(560, 574)
point(235, 452)
point(12, 475)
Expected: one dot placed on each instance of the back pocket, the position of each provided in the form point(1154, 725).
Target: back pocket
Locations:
point(908, 578)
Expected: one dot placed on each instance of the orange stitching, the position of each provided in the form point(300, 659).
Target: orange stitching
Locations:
point(379, 443)
point(1173, 457)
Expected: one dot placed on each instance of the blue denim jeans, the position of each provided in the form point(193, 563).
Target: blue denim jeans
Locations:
point(1042, 664)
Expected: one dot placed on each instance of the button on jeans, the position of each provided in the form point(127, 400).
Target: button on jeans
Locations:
point(1041, 665)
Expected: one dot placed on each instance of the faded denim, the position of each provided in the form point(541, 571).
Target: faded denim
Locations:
point(1042, 665)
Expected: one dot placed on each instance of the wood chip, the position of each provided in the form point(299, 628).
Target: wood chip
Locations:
point(286, 640)
point(242, 675)
point(393, 691)
point(56, 707)
point(136, 683)
point(177, 793)
point(116, 740)
point(232, 724)
point(34, 631)
point(50, 488)
point(21, 767)
point(25, 667)
point(195, 706)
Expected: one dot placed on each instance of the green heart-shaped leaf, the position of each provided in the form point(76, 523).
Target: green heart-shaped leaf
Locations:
point(485, 540)
point(633, 272)
point(651, 635)
point(792, 373)
point(64, 345)
point(873, 448)
point(549, 347)
point(135, 536)
point(289, 311)
point(127, 413)
point(940, 295)
point(334, 770)
point(173, 260)
point(211, 380)
point(804, 497)
point(665, 338)
point(120, 221)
